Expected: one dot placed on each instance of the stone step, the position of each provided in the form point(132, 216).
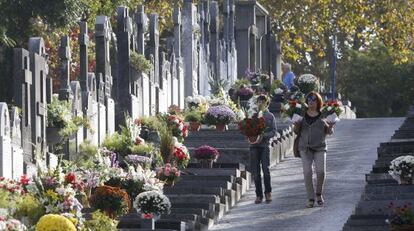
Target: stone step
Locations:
point(214, 172)
point(146, 229)
point(132, 221)
point(200, 212)
point(365, 228)
point(228, 178)
point(380, 178)
point(389, 189)
point(208, 184)
point(196, 189)
point(387, 196)
point(379, 207)
point(224, 165)
point(193, 198)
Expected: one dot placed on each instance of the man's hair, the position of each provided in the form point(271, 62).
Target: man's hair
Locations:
point(288, 66)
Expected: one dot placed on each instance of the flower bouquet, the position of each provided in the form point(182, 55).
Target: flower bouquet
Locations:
point(254, 124)
point(51, 222)
point(401, 169)
point(195, 101)
point(220, 116)
point(111, 200)
point(206, 155)
point(152, 203)
point(181, 155)
point(245, 93)
point(308, 83)
point(10, 224)
point(401, 217)
point(293, 109)
point(168, 173)
point(332, 109)
point(177, 126)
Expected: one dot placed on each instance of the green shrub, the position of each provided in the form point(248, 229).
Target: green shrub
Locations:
point(193, 116)
point(100, 222)
point(140, 63)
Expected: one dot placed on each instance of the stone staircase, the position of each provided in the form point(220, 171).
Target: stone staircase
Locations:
point(381, 189)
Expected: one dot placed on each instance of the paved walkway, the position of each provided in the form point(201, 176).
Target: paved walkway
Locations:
point(352, 152)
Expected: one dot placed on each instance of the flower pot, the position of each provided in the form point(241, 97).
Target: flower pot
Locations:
point(207, 163)
point(195, 126)
point(252, 139)
point(220, 127)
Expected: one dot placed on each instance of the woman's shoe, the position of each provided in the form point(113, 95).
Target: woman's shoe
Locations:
point(311, 203)
point(320, 200)
point(258, 200)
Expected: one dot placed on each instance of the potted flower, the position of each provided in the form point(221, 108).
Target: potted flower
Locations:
point(219, 115)
point(245, 93)
point(206, 155)
point(194, 118)
point(177, 126)
point(151, 204)
point(180, 155)
point(50, 222)
point(169, 174)
point(112, 200)
point(402, 168)
point(308, 83)
point(332, 110)
point(294, 110)
point(401, 218)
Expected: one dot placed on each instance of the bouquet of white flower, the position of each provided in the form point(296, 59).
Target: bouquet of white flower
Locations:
point(153, 202)
point(401, 169)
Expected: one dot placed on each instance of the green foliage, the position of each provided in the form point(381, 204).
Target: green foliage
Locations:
point(239, 83)
point(140, 63)
point(30, 207)
point(118, 143)
point(376, 86)
point(151, 122)
point(166, 144)
point(100, 222)
point(218, 86)
point(142, 149)
point(193, 116)
point(275, 85)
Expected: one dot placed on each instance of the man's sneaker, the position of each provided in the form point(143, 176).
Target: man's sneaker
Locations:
point(268, 197)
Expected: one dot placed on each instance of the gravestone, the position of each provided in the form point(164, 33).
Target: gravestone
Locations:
point(5, 143)
point(190, 49)
point(245, 36)
point(214, 40)
point(38, 67)
point(164, 90)
point(103, 66)
point(203, 60)
point(83, 47)
point(16, 144)
point(22, 77)
point(90, 109)
point(101, 129)
point(153, 51)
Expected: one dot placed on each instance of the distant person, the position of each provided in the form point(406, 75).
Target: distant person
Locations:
point(260, 153)
point(288, 76)
point(312, 131)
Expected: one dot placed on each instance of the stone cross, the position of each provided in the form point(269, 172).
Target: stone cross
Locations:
point(141, 21)
point(103, 61)
point(189, 50)
point(154, 46)
point(83, 45)
point(65, 59)
point(38, 66)
point(178, 60)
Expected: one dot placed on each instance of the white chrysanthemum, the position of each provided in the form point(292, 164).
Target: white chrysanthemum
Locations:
point(286, 106)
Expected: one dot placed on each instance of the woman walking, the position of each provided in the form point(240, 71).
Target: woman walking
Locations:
point(312, 147)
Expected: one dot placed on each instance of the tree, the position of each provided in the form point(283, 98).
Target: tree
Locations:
point(377, 86)
point(306, 29)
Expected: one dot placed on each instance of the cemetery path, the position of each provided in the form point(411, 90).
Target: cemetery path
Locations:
point(352, 152)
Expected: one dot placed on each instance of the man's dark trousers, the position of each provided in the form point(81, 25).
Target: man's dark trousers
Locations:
point(260, 160)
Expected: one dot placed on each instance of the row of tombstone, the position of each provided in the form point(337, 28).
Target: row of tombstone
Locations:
point(182, 65)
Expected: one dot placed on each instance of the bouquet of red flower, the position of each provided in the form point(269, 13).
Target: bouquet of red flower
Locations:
point(293, 109)
point(177, 126)
point(181, 155)
point(168, 173)
point(333, 109)
point(252, 127)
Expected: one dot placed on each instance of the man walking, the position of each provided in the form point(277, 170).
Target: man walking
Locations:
point(260, 153)
point(288, 76)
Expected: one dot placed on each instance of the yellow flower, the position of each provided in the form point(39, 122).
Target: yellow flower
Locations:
point(52, 194)
point(54, 222)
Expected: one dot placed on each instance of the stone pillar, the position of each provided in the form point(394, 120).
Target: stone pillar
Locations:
point(141, 21)
point(124, 99)
point(65, 59)
point(178, 60)
point(83, 46)
point(189, 50)
point(5, 143)
point(77, 110)
point(214, 40)
point(22, 77)
point(16, 144)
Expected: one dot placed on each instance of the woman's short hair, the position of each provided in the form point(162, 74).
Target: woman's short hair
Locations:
point(319, 101)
